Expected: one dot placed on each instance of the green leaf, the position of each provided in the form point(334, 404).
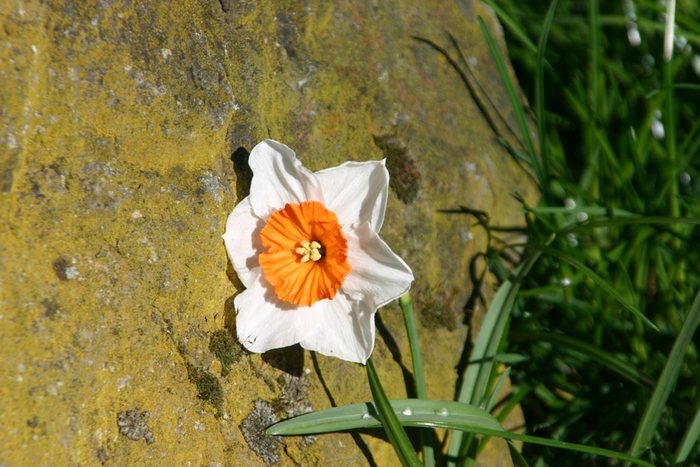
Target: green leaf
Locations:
point(512, 25)
point(477, 376)
point(410, 412)
point(514, 99)
point(423, 413)
point(497, 389)
point(667, 380)
point(394, 431)
point(539, 92)
point(510, 358)
point(690, 440)
point(518, 459)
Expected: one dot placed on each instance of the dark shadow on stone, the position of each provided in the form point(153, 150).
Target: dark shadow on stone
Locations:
point(230, 315)
point(229, 308)
point(244, 174)
point(289, 359)
point(396, 355)
point(355, 435)
point(404, 172)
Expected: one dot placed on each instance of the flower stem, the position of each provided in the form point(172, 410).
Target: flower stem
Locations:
point(394, 431)
point(428, 436)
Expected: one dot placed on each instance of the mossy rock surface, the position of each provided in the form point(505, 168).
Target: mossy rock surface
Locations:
point(123, 132)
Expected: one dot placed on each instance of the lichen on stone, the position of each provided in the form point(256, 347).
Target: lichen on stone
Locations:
point(208, 387)
point(226, 348)
point(253, 428)
point(134, 425)
point(127, 125)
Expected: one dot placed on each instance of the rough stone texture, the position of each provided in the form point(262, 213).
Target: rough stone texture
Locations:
point(123, 134)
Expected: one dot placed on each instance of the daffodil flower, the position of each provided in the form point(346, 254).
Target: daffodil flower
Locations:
point(305, 246)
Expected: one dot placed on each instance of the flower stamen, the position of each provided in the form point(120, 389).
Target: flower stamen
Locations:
point(309, 251)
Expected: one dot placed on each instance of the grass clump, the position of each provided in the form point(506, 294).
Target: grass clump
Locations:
point(619, 136)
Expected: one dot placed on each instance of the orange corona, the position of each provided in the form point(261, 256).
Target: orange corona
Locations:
point(307, 255)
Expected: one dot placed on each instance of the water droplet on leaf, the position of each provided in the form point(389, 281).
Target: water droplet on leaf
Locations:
point(443, 412)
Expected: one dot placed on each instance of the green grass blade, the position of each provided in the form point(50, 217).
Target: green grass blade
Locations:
point(497, 389)
point(518, 459)
point(570, 446)
point(590, 210)
point(513, 401)
point(631, 220)
point(539, 93)
point(476, 377)
point(513, 25)
point(394, 431)
point(595, 55)
point(667, 380)
point(510, 358)
point(681, 86)
point(690, 440)
point(649, 26)
point(595, 353)
point(406, 304)
point(422, 413)
point(600, 282)
point(514, 101)
point(669, 117)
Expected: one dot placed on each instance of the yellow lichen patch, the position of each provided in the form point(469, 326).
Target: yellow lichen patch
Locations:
point(119, 120)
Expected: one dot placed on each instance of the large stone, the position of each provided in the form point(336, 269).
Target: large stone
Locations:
point(124, 128)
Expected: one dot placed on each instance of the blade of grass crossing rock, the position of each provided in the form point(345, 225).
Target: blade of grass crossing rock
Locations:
point(406, 304)
point(394, 431)
point(428, 436)
point(476, 377)
point(518, 459)
point(497, 389)
point(667, 380)
point(514, 101)
point(513, 25)
point(421, 413)
point(513, 401)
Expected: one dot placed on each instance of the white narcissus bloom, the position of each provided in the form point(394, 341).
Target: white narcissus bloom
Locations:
point(306, 248)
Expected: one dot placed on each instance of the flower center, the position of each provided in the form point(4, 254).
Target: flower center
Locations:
point(310, 251)
point(306, 257)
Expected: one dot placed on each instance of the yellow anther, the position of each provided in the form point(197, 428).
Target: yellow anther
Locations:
point(309, 251)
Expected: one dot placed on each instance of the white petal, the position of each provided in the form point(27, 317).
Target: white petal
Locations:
point(342, 328)
point(242, 240)
point(376, 273)
point(264, 322)
point(279, 178)
point(356, 192)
